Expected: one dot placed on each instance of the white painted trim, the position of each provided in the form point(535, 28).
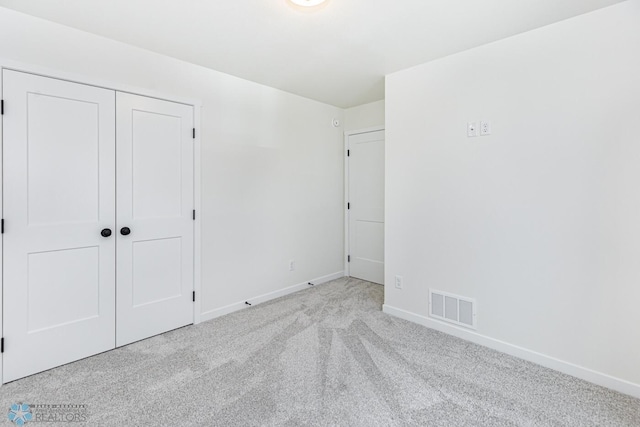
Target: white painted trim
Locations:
point(2, 238)
point(365, 130)
point(347, 267)
point(197, 199)
point(9, 64)
point(231, 308)
point(583, 373)
point(347, 134)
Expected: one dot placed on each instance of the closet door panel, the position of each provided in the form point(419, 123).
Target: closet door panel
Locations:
point(154, 204)
point(59, 194)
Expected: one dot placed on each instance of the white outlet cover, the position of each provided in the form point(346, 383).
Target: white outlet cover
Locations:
point(399, 282)
point(485, 127)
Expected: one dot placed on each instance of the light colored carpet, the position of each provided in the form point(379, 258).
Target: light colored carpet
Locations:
point(323, 356)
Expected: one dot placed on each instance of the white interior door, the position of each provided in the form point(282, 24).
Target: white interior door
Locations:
point(366, 200)
point(59, 192)
point(155, 204)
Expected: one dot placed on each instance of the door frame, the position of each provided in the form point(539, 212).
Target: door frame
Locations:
point(7, 64)
point(347, 135)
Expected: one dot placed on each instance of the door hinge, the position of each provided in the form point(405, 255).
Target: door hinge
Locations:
point(348, 153)
point(348, 258)
point(2, 226)
point(194, 133)
point(2, 107)
point(194, 296)
point(2, 345)
point(194, 214)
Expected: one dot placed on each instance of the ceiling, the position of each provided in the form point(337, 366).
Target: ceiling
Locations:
point(337, 54)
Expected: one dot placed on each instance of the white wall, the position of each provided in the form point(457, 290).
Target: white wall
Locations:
point(272, 163)
point(364, 116)
point(540, 222)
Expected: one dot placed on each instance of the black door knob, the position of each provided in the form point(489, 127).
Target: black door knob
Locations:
point(106, 232)
point(125, 231)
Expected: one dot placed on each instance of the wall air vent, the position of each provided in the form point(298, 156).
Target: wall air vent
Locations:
point(451, 308)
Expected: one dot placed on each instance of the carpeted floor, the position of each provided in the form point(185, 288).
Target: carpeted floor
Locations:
point(323, 356)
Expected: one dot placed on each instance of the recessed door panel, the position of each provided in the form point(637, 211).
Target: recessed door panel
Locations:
point(154, 204)
point(157, 271)
point(367, 244)
point(63, 287)
point(62, 189)
point(59, 192)
point(157, 165)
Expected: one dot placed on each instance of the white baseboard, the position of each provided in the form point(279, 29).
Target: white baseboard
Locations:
point(212, 314)
point(586, 374)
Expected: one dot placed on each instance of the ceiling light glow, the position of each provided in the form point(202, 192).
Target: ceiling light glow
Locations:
point(307, 3)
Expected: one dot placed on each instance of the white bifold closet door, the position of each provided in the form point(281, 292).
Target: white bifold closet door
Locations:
point(59, 192)
point(155, 207)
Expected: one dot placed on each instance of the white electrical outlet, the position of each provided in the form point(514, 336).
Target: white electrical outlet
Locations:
point(292, 265)
point(485, 127)
point(472, 129)
point(399, 282)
